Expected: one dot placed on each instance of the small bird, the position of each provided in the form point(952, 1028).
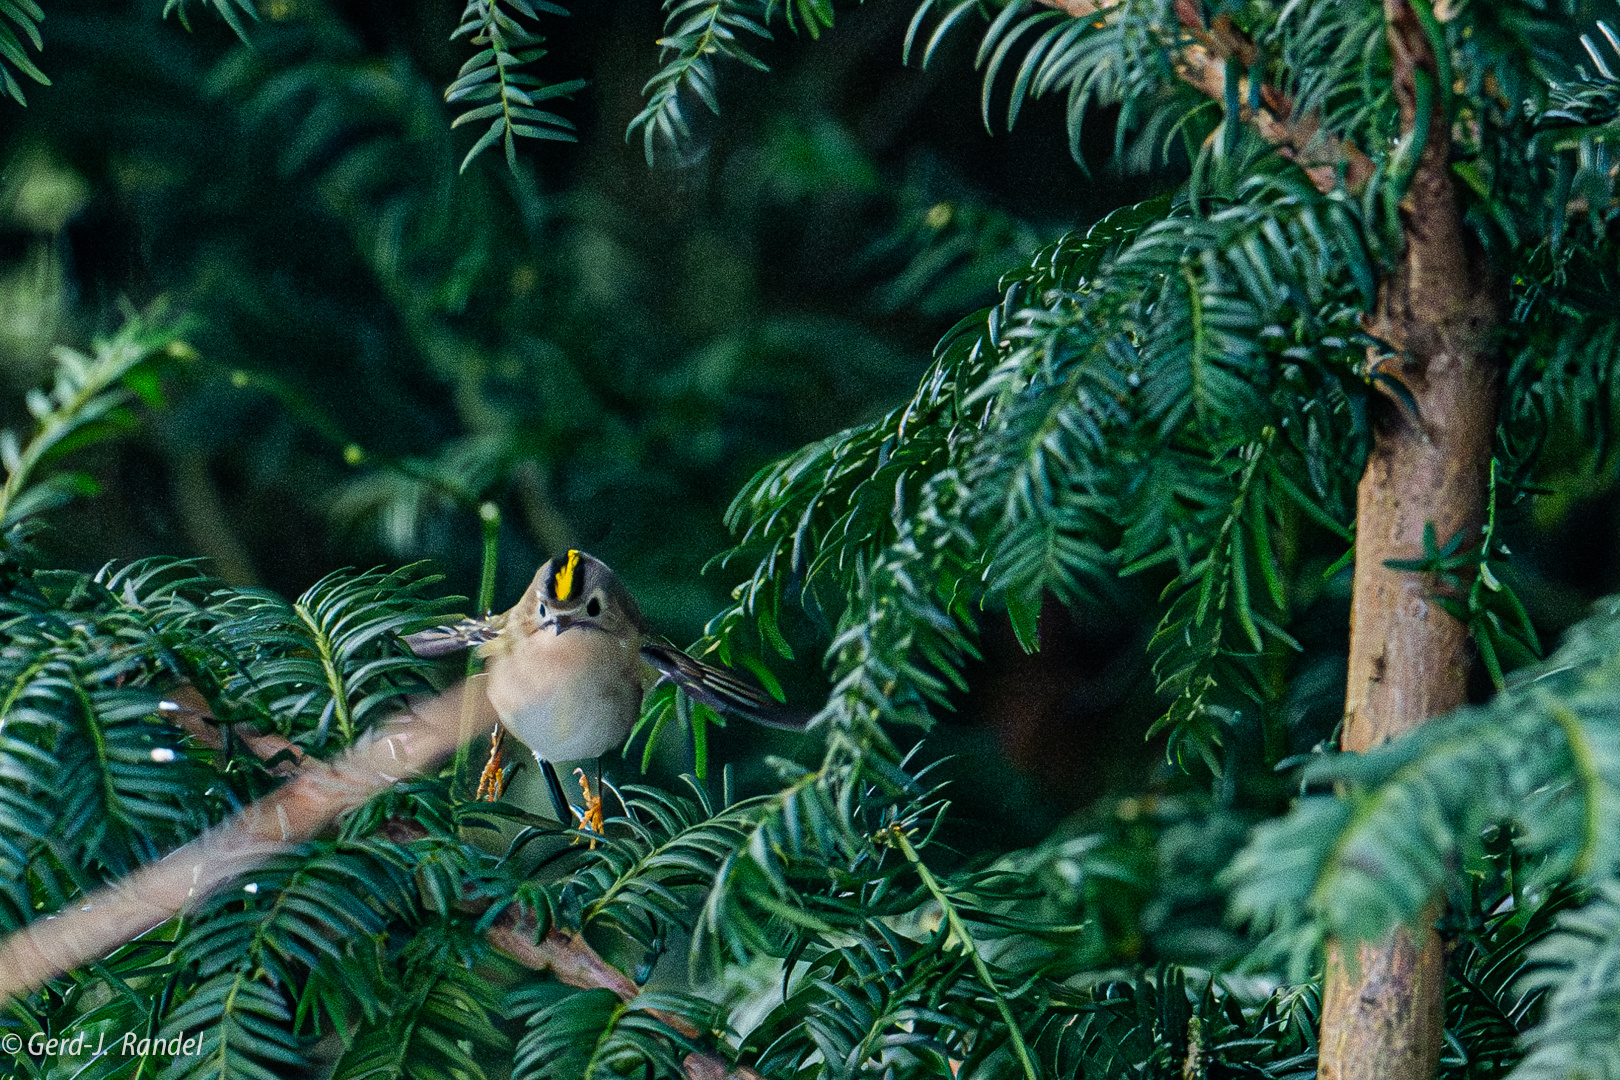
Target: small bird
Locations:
point(568, 666)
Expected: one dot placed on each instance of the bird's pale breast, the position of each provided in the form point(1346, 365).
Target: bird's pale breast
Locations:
point(567, 696)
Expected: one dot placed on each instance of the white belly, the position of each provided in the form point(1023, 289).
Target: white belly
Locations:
point(567, 696)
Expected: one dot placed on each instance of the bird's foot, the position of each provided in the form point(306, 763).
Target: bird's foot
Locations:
point(492, 781)
point(591, 824)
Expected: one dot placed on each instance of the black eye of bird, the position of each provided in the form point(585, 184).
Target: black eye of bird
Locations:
point(594, 608)
point(541, 611)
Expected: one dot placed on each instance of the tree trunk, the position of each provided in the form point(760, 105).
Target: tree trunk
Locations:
point(1382, 1007)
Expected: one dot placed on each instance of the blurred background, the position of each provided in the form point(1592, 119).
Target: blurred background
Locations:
point(605, 350)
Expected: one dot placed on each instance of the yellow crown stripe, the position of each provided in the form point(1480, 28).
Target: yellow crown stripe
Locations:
point(563, 584)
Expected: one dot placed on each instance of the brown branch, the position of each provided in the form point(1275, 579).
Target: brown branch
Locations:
point(1201, 63)
point(1080, 9)
point(546, 524)
point(315, 795)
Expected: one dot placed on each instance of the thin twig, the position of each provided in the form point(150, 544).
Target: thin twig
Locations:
point(963, 935)
point(1201, 63)
point(572, 962)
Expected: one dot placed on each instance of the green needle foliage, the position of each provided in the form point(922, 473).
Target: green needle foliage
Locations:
point(695, 32)
point(1092, 424)
point(493, 76)
point(229, 10)
point(19, 17)
point(1539, 759)
point(1179, 395)
point(86, 403)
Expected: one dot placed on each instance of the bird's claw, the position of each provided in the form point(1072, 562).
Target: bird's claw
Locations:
point(492, 782)
point(591, 824)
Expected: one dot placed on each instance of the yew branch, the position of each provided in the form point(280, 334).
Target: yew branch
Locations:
point(1201, 62)
point(316, 794)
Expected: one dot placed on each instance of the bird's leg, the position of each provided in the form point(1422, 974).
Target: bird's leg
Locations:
point(554, 788)
point(492, 782)
point(600, 818)
point(590, 821)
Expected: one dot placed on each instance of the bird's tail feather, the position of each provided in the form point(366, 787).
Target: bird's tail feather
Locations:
point(722, 690)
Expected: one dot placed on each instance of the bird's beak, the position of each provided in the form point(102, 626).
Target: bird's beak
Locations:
point(561, 622)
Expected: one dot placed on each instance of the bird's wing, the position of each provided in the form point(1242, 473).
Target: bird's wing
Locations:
point(720, 689)
point(444, 640)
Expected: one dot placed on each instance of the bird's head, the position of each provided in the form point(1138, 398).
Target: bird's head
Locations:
point(577, 591)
